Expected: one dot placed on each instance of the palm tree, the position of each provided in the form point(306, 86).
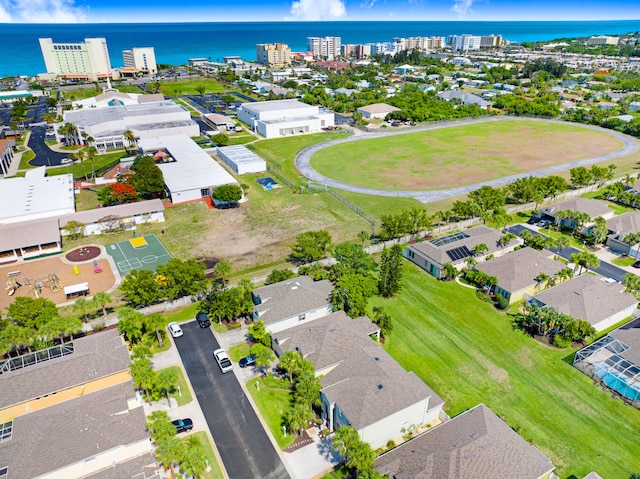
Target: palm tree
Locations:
point(169, 451)
point(82, 306)
point(363, 236)
point(194, 461)
point(506, 239)
point(130, 137)
point(632, 239)
point(480, 249)
point(540, 279)
point(102, 300)
point(291, 361)
point(90, 153)
point(450, 271)
point(471, 262)
point(166, 380)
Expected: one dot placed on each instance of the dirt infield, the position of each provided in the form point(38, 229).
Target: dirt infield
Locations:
point(459, 155)
point(85, 253)
point(34, 269)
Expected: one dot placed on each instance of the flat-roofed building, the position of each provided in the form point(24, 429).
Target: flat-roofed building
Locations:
point(141, 59)
point(326, 48)
point(241, 160)
point(603, 40)
point(88, 60)
point(189, 172)
point(273, 54)
point(278, 118)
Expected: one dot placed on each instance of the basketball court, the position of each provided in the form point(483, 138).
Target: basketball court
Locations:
point(142, 252)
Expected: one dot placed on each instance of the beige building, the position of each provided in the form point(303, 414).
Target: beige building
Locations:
point(77, 61)
point(273, 54)
point(141, 59)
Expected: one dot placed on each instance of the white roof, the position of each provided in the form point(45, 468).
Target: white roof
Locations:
point(240, 155)
point(35, 196)
point(193, 168)
point(76, 288)
point(275, 105)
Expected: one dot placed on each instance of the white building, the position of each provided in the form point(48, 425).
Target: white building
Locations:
point(80, 61)
point(278, 118)
point(142, 59)
point(145, 120)
point(241, 160)
point(190, 173)
point(324, 47)
point(464, 42)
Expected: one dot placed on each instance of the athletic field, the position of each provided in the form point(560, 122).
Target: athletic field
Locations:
point(143, 252)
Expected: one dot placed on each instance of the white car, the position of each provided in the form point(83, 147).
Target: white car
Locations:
point(175, 330)
point(66, 161)
point(223, 360)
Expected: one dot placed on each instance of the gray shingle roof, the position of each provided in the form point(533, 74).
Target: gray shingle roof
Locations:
point(122, 211)
point(130, 469)
point(587, 297)
point(291, 297)
point(585, 205)
point(378, 108)
point(95, 356)
point(29, 233)
point(354, 366)
point(625, 223)
point(477, 235)
point(75, 430)
point(464, 97)
point(476, 444)
point(518, 270)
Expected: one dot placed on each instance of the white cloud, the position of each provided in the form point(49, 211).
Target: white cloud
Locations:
point(310, 10)
point(462, 7)
point(41, 11)
point(368, 3)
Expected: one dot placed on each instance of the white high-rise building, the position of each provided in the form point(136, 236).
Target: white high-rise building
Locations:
point(88, 60)
point(326, 47)
point(143, 59)
point(464, 42)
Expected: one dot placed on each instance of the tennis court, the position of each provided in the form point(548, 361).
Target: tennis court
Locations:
point(142, 252)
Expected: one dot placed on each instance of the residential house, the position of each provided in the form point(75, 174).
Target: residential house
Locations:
point(362, 385)
point(593, 208)
point(71, 411)
point(294, 301)
point(518, 272)
point(594, 298)
point(455, 248)
point(634, 106)
point(376, 111)
point(464, 98)
point(475, 444)
point(345, 91)
point(619, 227)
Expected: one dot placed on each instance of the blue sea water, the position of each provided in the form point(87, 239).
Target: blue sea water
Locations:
point(175, 43)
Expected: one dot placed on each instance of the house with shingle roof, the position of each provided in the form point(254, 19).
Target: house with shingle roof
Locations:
point(619, 227)
point(464, 98)
point(517, 272)
point(475, 444)
point(362, 385)
point(590, 297)
point(376, 111)
point(291, 302)
point(455, 248)
point(593, 208)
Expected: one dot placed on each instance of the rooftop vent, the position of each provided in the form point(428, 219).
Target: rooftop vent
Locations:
point(380, 386)
point(377, 358)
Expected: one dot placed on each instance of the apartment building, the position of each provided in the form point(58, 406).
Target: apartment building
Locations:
point(141, 59)
point(603, 40)
point(80, 61)
point(464, 42)
point(273, 54)
point(324, 47)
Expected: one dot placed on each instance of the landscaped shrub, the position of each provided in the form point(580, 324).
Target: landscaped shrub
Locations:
point(502, 302)
point(561, 341)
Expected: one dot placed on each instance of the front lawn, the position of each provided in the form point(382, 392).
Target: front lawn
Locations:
point(181, 393)
point(272, 397)
point(469, 353)
point(81, 168)
point(215, 471)
point(624, 261)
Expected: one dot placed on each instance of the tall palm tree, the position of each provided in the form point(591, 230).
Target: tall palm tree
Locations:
point(130, 137)
point(450, 271)
point(632, 239)
point(90, 153)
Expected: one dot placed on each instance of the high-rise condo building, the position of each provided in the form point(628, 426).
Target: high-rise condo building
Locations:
point(273, 54)
point(88, 60)
point(143, 59)
point(324, 47)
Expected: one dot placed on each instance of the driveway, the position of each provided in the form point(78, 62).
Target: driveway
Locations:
point(45, 156)
point(244, 446)
point(303, 161)
point(605, 269)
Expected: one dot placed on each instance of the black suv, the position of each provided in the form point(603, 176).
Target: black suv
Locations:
point(203, 320)
point(183, 425)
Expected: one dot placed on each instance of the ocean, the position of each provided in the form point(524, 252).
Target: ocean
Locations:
point(175, 43)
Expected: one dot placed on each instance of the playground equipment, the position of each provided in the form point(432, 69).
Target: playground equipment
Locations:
point(76, 270)
point(96, 267)
point(12, 286)
point(37, 285)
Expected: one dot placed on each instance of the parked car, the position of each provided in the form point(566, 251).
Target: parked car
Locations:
point(175, 330)
point(223, 360)
point(183, 425)
point(636, 264)
point(66, 161)
point(203, 320)
point(247, 361)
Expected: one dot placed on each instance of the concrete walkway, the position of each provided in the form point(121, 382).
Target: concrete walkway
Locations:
point(303, 161)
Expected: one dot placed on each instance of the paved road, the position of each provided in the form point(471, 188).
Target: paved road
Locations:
point(605, 269)
point(244, 446)
point(303, 161)
point(44, 155)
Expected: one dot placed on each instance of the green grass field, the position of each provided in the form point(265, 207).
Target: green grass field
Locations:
point(469, 353)
point(459, 155)
point(78, 170)
point(272, 402)
point(188, 87)
point(181, 393)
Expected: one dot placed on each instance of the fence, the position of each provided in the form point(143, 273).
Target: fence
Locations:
point(355, 209)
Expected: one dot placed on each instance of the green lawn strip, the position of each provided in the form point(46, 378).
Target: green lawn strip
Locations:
point(187, 106)
point(216, 470)
point(81, 93)
point(124, 88)
point(239, 351)
point(241, 139)
point(27, 156)
point(78, 170)
point(469, 353)
point(181, 392)
point(272, 402)
point(573, 242)
point(476, 148)
point(183, 314)
point(87, 199)
point(624, 261)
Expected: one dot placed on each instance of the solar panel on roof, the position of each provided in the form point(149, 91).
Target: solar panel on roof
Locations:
point(458, 253)
point(452, 238)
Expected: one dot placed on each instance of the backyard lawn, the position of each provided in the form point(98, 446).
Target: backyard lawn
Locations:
point(469, 353)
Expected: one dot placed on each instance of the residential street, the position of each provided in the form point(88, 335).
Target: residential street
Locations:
point(244, 446)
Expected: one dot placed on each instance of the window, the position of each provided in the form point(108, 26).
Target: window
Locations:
point(6, 430)
point(411, 254)
point(4, 472)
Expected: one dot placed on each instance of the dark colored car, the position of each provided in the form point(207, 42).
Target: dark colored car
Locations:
point(636, 264)
point(203, 320)
point(183, 425)
point(247, 361)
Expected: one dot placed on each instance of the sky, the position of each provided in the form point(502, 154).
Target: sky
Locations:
point(144, 11)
